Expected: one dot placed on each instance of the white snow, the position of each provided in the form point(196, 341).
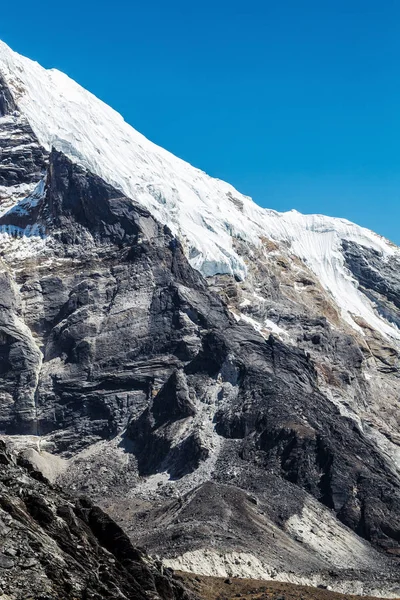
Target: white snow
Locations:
point(24, 206)
point(267, 326)
point(10, 195)
point(21, 244)
point(205, 213)
point(18, 232)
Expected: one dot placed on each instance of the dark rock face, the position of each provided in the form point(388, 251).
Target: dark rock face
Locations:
point(22, 159)
point(173, 402)
point(20, 360)
point(378, 279)
point(20, 162)
point(288, 427)
point(109, 331)
point(119, 313)
point(7, 103)
point(57, 548)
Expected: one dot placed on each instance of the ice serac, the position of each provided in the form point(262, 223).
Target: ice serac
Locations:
point(210, 217)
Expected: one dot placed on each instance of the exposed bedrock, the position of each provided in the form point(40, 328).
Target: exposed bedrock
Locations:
point(378, 278)
point(22, 159)
point(58, 547)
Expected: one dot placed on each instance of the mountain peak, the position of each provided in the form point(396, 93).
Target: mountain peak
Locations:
point(210, 217)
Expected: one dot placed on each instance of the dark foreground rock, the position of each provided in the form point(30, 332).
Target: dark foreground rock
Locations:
point(54, 547)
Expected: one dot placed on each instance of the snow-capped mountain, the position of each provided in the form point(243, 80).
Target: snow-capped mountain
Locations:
point(207, 214)
point(235, 373)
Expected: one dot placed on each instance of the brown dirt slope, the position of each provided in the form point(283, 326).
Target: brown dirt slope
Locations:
point(218, 588)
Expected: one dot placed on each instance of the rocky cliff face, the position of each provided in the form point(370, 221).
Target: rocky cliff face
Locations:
point(254, 420)
point(22, 159)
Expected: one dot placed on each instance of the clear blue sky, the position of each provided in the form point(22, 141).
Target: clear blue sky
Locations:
point(295, 102)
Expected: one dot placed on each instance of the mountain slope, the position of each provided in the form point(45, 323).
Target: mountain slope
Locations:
point(254, 415)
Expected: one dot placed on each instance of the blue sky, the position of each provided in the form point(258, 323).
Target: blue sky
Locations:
point(295, 102)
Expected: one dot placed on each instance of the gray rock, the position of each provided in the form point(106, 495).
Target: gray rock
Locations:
point(79, 552)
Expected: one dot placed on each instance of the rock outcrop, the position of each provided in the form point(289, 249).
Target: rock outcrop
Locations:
point(55, 547)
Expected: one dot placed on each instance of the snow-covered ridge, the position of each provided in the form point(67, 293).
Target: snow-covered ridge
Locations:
point(205, 213)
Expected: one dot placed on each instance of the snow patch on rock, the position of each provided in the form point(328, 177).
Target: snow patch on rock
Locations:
point(30, 201)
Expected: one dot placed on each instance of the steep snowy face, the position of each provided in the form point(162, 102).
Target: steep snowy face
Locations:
point(207, 214)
